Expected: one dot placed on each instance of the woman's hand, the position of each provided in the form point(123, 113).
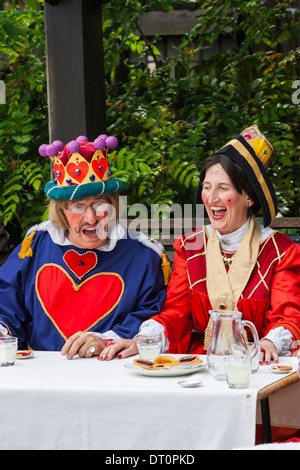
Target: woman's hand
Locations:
point(80, 342)
point(268, 351)
point(124, 348)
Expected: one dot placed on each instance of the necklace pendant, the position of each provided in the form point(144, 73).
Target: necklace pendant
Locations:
point(227, 260)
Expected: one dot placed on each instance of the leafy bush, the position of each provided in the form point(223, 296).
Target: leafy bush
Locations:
point(166, 126)
point(171, 125)
point(23, 125)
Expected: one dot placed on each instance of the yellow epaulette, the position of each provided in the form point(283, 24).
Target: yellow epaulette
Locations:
point(166, 268)
point(26, 246)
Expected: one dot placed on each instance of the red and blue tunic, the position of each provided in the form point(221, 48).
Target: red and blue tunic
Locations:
point(61, 289)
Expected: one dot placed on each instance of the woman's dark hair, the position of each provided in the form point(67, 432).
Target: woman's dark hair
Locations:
point(235, 173)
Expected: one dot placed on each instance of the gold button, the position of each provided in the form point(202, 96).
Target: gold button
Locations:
point(222, 306)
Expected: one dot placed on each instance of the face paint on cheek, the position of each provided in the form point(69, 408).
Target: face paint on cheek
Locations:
point(74, 223)
point(78, 229)
point(230, 199)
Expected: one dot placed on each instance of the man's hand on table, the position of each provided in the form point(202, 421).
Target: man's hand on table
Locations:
point(80, 343)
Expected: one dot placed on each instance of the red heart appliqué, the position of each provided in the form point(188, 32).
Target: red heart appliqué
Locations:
point(100, 167)
point(77, 307)
point(59, 172)
point(79, 264)
point(78, 172)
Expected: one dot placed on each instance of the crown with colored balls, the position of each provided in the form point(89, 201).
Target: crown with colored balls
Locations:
point(81, 168)
point(80, 161)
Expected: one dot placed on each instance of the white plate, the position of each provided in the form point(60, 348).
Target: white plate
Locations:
point(27, 356)
point(274, 371)
point(174, 372)
point(188, 383)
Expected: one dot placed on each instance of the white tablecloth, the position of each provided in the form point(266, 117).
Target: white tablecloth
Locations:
point(49, 402)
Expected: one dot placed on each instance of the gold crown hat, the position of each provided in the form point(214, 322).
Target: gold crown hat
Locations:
point(81, 168)
point(261, 146)
point(252, 151)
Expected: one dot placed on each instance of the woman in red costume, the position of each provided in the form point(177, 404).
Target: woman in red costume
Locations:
point(233, 263)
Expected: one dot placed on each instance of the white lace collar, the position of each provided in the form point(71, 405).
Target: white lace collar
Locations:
point(58, 235)
point(231, 241)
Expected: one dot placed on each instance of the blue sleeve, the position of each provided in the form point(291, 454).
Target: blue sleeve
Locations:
point(13, 314)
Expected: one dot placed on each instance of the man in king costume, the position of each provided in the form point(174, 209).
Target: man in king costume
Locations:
point(80, 280)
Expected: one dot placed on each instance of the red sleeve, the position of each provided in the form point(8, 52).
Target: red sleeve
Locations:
point(175, 315)
point(285, 293)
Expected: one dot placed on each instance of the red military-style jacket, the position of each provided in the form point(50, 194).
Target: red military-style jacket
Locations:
point(270, 299)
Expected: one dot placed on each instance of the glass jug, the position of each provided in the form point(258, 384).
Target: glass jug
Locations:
point(227, 339)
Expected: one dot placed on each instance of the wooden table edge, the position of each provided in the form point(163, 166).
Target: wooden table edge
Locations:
point(278, 385)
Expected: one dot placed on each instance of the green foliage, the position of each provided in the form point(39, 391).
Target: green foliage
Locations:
point(167, 119)
point(23, 125)
point(172, 124)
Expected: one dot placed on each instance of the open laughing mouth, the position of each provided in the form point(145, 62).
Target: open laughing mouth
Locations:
point(218, 212)
point(90, 232)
